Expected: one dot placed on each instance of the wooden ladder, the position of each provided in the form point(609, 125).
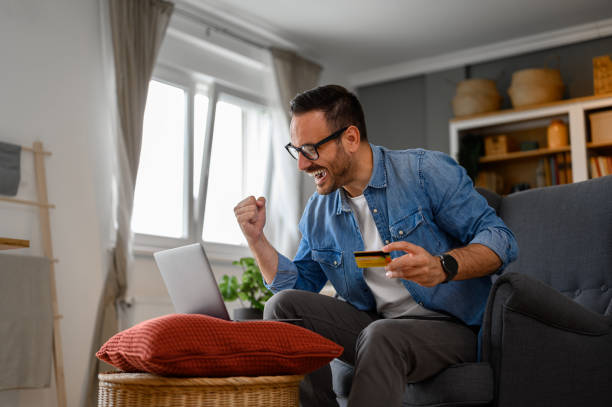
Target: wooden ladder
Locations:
point(45, 225)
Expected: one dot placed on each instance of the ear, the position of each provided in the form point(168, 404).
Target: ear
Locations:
point(351, 139)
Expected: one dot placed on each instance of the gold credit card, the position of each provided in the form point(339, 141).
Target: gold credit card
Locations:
point(375, 258)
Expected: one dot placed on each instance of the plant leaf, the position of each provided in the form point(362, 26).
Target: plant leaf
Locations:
point(249, 288)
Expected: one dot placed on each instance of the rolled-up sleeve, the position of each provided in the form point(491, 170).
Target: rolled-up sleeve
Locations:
point(302, 273)
point(286, 275)
point(501, 240)
point(461, 211)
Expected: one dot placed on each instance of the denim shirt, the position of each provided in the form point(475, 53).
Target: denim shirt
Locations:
point(419, 196)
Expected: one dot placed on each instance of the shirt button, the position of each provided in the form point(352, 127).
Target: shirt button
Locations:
point(386, 242)
point(335, 263)
point(401, 232)
point(375, 210)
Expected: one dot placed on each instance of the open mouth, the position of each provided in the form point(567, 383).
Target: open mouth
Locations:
point(319, 176)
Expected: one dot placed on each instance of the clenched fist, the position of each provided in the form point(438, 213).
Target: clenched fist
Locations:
point(251, 216)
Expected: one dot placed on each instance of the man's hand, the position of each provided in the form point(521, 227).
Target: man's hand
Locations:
point(251, 216)
point(416, 265)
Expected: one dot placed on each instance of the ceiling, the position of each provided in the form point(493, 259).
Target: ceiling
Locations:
point(354, 36)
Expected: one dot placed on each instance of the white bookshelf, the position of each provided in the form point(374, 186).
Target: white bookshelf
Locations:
point(574, 112)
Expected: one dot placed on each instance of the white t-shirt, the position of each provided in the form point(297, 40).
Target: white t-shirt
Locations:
point(392, 297)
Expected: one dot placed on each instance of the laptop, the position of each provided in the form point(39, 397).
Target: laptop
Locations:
point(191, 283)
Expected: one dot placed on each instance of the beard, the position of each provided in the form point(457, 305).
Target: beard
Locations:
point(338, 172)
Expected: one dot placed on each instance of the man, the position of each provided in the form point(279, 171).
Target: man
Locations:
point(409, 320)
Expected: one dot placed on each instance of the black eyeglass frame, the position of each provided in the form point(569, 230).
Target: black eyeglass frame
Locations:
point(315, 146)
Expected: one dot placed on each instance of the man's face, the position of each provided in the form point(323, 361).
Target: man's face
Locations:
point(332, 169)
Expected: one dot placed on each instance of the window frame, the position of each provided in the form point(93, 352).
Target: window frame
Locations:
point(193, 209)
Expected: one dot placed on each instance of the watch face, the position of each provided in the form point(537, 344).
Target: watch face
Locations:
point(449, 265)
point(449, 262)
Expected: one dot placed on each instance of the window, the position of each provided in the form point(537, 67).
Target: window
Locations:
point(190, 177)
point(200, 113)
point(159, 197)
point(238, 133)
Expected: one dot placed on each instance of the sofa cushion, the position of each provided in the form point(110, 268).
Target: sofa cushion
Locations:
point(460, 384)
point(561, 230)
point(200, 345)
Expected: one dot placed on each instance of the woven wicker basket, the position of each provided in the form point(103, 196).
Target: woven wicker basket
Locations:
point(144, 390)
point(475, 96)
point(535, 86)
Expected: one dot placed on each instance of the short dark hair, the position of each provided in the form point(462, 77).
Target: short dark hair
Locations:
point(341, 107)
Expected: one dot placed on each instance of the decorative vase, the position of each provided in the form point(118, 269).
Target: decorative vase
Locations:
point(241, 314)
point(556, 134)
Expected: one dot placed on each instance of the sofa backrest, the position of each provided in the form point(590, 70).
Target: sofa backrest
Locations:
point(564, 235)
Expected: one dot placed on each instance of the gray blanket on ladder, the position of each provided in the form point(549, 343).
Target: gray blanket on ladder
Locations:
point(10, 172)
point(26, 322)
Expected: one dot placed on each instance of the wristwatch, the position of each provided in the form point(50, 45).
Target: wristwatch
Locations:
point(449, 265)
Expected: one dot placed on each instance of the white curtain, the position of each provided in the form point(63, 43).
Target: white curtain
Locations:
point(293, 74)
point(137, 28)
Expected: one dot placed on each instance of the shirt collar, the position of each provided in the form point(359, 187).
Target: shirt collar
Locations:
point(377, 180)
point(342, 203)
point(379, 172)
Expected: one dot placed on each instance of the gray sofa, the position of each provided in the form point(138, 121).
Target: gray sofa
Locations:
point(547, 330)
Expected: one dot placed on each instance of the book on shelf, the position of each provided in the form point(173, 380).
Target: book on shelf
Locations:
point(560, 158)
point(568, 167)
point(490, 180)
point(542, 174)
point(554, 170)
point(601, 165)
point(594, 169)
point(554, 180)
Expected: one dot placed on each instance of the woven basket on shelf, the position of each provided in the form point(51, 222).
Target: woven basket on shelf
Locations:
point(144, 390)
point(535, 86)
point(474, 96)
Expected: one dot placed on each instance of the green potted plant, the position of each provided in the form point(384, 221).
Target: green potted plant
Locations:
point(250, 289)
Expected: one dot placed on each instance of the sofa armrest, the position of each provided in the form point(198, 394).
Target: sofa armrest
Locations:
point(540, 341)
point(537, 300)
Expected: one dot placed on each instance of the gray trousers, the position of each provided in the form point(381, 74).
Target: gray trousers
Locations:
point(387, 353)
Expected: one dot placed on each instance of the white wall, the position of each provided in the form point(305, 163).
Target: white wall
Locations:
point(52, 90)
point(330, 75)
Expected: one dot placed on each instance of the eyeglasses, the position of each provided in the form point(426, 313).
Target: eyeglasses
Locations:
point(311, 151)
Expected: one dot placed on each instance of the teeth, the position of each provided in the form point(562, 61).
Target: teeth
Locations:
point(318, 173)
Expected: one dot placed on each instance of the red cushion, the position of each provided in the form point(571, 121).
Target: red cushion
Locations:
point(200, 345)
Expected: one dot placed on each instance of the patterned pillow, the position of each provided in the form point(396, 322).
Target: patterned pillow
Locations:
point(200, 345)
